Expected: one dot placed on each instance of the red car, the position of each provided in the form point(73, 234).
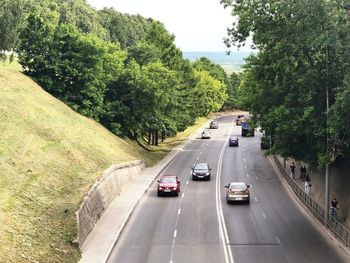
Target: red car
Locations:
point(168, 184)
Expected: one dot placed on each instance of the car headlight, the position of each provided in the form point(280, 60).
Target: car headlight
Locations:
point(160, 188)
point(207, 174)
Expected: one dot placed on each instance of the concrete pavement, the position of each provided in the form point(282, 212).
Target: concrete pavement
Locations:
point(103, 237)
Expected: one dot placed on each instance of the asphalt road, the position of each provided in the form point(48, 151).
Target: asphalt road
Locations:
point(199, 226)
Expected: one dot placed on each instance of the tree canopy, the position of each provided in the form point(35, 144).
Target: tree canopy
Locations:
point(303, 60)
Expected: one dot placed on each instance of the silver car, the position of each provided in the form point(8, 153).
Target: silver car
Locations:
point(237, 191)
point(206, 134)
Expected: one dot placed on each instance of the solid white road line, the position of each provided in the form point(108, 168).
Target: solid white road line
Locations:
point(222, 226)
point(175, 233)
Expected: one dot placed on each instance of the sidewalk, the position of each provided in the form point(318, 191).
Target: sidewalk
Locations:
point(100, 242)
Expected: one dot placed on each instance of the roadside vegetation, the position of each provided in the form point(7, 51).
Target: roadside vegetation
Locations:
point(302, 65)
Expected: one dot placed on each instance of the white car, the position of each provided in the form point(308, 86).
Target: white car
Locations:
point(206, 134)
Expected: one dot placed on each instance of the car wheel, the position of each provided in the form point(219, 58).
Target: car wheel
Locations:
point(193, 178)
point(228, 201)
point(159, 193)
point(208, 178)
point(248, 201)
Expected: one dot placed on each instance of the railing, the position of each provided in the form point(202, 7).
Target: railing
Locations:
point(315, 208)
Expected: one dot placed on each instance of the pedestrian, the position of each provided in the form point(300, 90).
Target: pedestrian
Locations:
point(307, 188)
point(292, 169)
point(302, 172)
point(307, 178)
point(334, 207)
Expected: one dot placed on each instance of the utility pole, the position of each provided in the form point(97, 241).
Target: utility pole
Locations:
point(327, 179)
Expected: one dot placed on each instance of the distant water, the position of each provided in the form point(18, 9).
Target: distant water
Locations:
point(231, 62)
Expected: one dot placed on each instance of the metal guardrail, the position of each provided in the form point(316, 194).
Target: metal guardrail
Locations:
point(340, 231)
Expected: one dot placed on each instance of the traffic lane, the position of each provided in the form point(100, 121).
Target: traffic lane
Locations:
point(272, 228)
point(149, 235)
point(198, 238)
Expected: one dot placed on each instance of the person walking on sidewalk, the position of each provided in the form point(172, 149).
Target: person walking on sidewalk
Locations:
point(307, 187)
point(334, 207)
point(292, 170)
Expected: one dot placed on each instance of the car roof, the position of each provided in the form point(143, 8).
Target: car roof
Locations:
point(233, 137)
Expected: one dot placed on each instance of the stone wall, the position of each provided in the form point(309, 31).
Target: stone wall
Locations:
point(102, 193)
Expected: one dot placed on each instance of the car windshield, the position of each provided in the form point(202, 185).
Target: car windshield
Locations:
point(168, 180)
point(201, 166)
point(238, 186)
point(233, 138)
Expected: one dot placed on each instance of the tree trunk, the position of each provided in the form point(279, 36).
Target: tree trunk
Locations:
point(157, 133)
point(163, 136)
point(152, 136)
point(149, 136)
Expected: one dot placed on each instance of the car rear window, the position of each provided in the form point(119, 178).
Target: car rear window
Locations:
point(238, 186)
point(168, 180)
point(201, 166)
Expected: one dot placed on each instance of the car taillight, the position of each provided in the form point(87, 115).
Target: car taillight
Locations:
point(247, 191)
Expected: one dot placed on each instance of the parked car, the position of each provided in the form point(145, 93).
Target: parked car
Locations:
point(201, 171)
point(247, 129)
point(237, 191)
point(168, 184)
point(240, 115)
point(233, 141)
point(206, 134)
point(214, 125)
point(265, 142)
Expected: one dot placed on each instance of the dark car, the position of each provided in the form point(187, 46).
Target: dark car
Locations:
point(214, 125)
point(247, 129)
point(201, 171)
point(168, 184)
point(265, 142)
point(240, 115)
point(237, 191)
point(233, 141)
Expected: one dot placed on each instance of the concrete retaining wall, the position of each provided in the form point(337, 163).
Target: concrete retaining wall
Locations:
point(102, 193)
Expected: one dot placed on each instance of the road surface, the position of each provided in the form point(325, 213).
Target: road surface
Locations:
point(199, 226)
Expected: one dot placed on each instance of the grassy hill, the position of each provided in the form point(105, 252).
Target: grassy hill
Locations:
point(49, 158)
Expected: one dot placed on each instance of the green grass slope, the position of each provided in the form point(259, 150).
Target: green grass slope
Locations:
point(49, 158)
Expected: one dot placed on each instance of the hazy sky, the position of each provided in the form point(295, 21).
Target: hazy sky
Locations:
point(198, 25)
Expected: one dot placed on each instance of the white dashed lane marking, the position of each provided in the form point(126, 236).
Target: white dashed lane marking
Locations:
point(187, 181)
point(264, 216)
point(179, 211)
point(248, 175)
point(256, 199)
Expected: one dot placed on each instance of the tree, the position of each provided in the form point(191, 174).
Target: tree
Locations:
point(302, 51)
